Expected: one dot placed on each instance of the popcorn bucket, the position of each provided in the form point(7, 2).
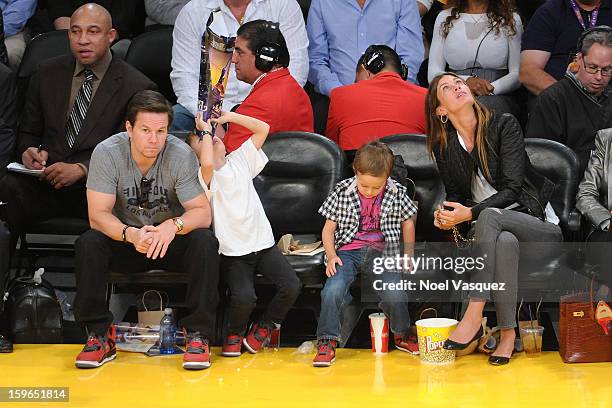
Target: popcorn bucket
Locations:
point(432, 333)
point(379, 332)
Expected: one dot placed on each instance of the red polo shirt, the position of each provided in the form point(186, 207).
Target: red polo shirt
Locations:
point(278, 100)
point(370, 109)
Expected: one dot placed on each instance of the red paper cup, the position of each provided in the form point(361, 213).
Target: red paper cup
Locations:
point(379, 333)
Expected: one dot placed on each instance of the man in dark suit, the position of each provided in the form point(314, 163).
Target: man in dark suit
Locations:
point(73, 103)
point(8, 114)
point(8, 118)
point(3, 53)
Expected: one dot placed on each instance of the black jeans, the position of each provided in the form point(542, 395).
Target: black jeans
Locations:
point(239, 272)
point(195, 253)
point(30, 201)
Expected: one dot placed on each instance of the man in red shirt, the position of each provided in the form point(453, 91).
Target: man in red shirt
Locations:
point(380, 103)
point(261, 58)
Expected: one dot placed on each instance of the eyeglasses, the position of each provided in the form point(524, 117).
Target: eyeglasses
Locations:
point(593, 69)
point(143, 193)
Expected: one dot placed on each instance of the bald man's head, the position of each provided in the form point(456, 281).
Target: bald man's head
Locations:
point(91, 33)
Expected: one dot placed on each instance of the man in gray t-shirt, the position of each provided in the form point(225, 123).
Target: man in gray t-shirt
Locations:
point(147, 211)
point(145, 199)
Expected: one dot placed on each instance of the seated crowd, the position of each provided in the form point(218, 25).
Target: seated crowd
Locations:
point(101, 135)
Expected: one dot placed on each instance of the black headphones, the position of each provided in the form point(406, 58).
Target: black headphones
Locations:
point(599, 28)
point(268, 53)
point(374, 61)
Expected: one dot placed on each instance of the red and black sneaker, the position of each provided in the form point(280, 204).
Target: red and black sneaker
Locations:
point(232, 346)
point(326, 353)
point(197, 352)
point(408, 343)
point(258, 335)
point(98, 350)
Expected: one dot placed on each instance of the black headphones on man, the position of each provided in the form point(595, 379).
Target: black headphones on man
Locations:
point(374, 61)
point(599, 28)
point(268, 53)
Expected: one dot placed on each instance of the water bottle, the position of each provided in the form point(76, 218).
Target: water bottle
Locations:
point(167, 333)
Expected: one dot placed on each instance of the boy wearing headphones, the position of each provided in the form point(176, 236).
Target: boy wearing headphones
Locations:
point(261, 59)
point(380, 103)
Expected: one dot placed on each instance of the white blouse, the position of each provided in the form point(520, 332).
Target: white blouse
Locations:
point(458, 49)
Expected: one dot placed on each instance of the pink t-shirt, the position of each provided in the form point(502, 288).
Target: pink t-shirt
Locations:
point(368, 233)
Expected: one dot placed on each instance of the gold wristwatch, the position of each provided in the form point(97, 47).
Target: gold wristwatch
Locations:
point(178, 223)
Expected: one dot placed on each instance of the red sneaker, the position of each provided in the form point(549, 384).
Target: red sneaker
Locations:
point(326, 353)
point(232, 346)
point(98, 350)
point(258, 335)
point(197, 352)
point(409, 344)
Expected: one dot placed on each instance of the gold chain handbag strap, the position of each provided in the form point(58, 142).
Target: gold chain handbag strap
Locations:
point(461, 241)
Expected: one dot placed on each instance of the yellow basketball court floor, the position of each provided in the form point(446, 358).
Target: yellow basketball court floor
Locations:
point(285, 378)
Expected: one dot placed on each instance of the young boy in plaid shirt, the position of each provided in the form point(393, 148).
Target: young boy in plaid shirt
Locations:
point(367, 215)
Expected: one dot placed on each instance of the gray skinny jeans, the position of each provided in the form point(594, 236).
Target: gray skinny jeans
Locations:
point(498, 234)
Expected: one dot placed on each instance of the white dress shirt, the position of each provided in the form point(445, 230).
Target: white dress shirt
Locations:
point(190, 26)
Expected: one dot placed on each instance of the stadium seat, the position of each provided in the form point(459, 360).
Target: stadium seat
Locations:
point(151, 54)
point(303, 169)
point(42, 47)
point(422, 170)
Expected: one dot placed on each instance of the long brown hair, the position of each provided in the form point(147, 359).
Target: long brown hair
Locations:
point(437, 132)
point(499, 13)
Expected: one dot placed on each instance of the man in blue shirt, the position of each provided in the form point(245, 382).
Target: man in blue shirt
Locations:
point(16, 14)
point(339, 31)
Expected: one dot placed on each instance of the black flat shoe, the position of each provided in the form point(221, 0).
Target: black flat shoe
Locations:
point(5, 345)
point(499, 360)
point(453, 345)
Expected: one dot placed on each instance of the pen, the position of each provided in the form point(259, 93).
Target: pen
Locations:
point(40, 146)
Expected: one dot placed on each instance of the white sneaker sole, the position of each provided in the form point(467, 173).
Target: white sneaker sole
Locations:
point(93, 364)
point(196, 365)
point(249, 348)
point(231, 353)
point(323, 363)
point(414, 353)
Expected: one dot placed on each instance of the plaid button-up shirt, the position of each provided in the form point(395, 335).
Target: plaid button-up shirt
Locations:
point(343, 207)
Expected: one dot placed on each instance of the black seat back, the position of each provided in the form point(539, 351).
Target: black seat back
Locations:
point(151, 54)
point(303, 169)
point(42, 47)
point(560, 164)
point(422, 170)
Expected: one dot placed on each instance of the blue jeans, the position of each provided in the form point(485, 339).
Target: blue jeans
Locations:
point(335, 295)
point(183, 119)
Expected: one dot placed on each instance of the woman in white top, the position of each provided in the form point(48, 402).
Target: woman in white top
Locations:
point(481, 41)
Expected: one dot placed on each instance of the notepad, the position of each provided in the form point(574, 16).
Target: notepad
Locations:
point(20, 168)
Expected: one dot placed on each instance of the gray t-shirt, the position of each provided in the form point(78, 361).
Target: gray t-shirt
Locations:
point(173, 180)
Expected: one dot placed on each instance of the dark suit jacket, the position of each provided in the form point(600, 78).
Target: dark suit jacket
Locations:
point(8, 115)
point(46, 106)
point(3, 54)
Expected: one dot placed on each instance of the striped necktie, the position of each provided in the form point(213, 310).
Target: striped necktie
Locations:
point(79, 109)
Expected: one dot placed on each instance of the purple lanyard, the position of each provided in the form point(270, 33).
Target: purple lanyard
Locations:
point(594, 15)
